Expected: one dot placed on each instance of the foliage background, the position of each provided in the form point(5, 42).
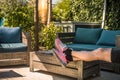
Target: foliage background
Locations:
point(113, 13)
point(18, 13)
point(21, 13)
point(88, 11)
point(78, 10)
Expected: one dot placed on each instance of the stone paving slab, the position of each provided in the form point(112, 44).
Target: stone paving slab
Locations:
point(23, 73)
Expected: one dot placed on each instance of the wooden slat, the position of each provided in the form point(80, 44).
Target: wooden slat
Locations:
point(66, 37)
point(13, 58)
point(91, 72)
point(56, 69)
point(68, 34)
point(67, 40)
point(49, 58)
point(104, 65)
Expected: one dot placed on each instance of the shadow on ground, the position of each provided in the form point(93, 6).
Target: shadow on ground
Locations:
point(9, 74)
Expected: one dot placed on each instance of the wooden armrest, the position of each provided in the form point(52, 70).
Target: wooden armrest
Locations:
point(67, 37)
point(26, 39)
point(118, 41)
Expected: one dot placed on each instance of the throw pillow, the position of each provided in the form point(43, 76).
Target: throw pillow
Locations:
point(10, 35)
point(108, 37)
point(87, 35)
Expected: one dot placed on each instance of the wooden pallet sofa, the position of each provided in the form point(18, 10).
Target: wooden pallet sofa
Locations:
point(46, 61)
point(90, 39)
point(14, 46)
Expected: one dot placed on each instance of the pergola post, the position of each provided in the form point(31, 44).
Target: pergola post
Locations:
point(42, 10)
point(104, 14)
point(36, 20)
point(49, 12)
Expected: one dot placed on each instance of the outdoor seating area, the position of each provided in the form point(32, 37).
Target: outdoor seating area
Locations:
point(17, 51)
point(23, 73)
point(96, 38)
point(14, 46)
point(30, 31)
point(46, 61)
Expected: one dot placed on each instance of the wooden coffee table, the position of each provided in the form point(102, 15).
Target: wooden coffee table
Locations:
point(46, 61)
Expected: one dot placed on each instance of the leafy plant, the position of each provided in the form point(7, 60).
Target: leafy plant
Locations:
point(112, 16)
point(78, 10)
point(61, 11)
point(18, 13)
point(48, 34)
point(1, 14)
point(88, 11)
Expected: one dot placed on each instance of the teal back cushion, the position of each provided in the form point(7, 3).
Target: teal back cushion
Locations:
point(10, 35)
point(108, 37)
point(87, 35)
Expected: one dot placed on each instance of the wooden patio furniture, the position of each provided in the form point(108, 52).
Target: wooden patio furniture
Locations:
point(13, 52)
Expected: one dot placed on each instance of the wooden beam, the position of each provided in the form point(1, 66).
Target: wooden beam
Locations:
point(36, 25)
point(104, 14)
point(49, 12)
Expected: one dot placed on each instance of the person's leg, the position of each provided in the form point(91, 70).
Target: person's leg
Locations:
point(97, 54)
point(103, 54)
point(106, 54)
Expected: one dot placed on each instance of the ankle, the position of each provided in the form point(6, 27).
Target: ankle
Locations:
point(67, 51)
point(68, 54)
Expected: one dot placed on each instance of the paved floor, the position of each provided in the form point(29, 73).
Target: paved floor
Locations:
point(23, 73)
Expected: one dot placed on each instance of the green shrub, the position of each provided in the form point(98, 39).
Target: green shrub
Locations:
point(48, 34)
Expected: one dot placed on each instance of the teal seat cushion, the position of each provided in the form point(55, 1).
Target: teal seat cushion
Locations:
point(10, 35)
point(88, 47)
point(12, 47)
point(87, 35)
point(108, 37)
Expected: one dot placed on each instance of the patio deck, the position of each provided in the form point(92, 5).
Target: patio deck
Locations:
point(23, 73)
